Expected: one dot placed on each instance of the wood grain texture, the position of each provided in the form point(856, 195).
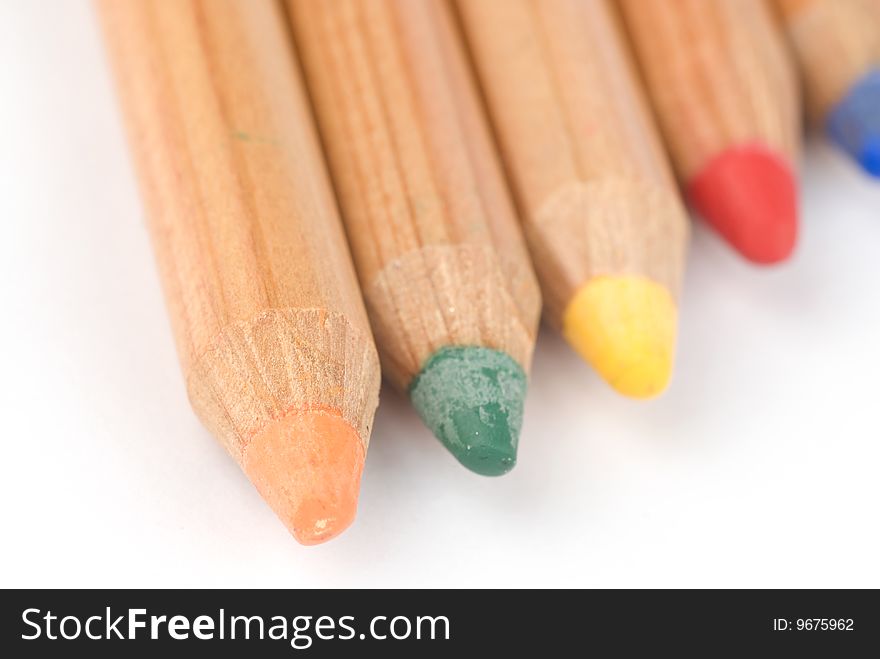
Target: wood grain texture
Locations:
point(433, 231)
point(257, 277)
point(836, 41)
point(590, 176)
point(718, 74)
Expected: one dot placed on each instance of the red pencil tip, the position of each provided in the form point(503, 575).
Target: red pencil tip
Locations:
point(748, 194)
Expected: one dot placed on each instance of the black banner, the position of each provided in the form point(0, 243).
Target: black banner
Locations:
point(167, 623)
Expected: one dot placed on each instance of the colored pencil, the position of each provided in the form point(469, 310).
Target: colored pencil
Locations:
point(451, 295)
point(271, 332)
point(601, 211)
point(726, 97)
point(838, 46)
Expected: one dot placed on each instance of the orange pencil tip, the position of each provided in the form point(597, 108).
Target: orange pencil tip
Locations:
point(307, 466)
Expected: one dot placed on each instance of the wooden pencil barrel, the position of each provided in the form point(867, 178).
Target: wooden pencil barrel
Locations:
point(586, 163)
point(433, 231)
point(719, 75)
point(258, 280)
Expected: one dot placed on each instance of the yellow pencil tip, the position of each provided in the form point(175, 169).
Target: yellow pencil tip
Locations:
point(625, 327)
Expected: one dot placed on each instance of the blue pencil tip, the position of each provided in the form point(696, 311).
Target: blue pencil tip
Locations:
point(854, 124)
point(870, 157)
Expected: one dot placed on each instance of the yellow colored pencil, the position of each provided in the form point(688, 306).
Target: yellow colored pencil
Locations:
point(601, 210)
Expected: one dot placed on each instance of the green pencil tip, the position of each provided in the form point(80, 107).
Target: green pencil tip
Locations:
point(472, 400)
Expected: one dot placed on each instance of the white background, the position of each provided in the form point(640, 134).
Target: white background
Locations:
point(758, 468)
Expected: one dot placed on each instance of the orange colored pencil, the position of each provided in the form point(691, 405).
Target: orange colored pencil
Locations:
point(270, 327)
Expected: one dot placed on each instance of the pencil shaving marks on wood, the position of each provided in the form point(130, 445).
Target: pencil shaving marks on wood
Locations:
point(267, 314)
point(604, 222)
point(607, 227)
point(432, 227)
point(473, 304)
point(284, 360)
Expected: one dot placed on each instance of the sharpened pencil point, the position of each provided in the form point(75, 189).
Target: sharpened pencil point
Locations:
point(854, 124)
point(472, 400)
point(748, 194)
point(625, 328)
point(307, 466)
